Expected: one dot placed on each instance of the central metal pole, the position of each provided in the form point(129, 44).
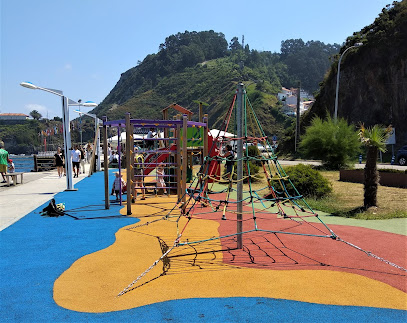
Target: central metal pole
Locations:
point(67, 144)
point(239, 122)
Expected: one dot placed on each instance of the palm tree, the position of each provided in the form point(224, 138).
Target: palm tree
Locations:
point(374, 139)
point(35, 115)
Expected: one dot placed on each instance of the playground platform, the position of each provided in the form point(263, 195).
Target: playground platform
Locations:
point(72, 268)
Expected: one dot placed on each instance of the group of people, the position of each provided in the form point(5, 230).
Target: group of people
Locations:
point(6, 164)
point(79, 157)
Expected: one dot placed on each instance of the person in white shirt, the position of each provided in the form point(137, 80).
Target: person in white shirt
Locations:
point(118, 184)
point(11, 168)
point(76, 159)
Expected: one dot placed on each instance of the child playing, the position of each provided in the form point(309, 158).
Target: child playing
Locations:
point(10, 167)
point(116, 185)
point(160, 175)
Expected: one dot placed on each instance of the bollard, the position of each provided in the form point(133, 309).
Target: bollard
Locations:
point(360, 158)
point(393, 159)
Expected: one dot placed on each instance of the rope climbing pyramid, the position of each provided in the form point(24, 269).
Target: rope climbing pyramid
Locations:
point(233, 195)
point(251, 217)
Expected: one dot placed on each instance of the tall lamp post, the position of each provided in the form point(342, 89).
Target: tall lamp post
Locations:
point(89, 104)
point(337, 78)
point(97, 133)
point(66, 132)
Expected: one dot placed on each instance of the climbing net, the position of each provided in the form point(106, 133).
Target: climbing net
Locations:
point(278, 199)
point(273, 209)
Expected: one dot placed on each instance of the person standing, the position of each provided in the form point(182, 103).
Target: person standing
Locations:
point(139, 174)
point(89, 153)
point(59, 162)
point(160, 175)
point(82, 160)
point(118, 185)
point(229, 157)
point(3, 161)
point(150, 141)
point(76, 159)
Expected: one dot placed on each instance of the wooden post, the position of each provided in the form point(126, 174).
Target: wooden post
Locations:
point(35, 163)
point(200, 117)
point(239, 122)
point(178, 136)
point(129, 164)
point(106, 164)
point(166, 130)
point(205, 138)
point(184, 156)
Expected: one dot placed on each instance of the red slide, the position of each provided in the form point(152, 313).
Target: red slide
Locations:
point(152, 160)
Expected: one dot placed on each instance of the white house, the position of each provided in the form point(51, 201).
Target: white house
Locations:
point(13, 116)
point(284, 93)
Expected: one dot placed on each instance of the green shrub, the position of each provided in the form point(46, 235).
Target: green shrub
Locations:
point(335, 143)
point(308, 181)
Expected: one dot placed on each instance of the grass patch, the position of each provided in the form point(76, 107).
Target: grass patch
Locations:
point(347, 200)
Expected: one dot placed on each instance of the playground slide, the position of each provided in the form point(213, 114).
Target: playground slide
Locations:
point(152, 160)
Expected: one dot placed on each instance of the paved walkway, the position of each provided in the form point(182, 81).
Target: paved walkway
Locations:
point(37, 188)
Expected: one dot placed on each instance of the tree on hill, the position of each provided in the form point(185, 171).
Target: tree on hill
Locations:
point(35, 115)
point(307, 62)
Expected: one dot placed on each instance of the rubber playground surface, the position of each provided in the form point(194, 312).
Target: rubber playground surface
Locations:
point(72, 268)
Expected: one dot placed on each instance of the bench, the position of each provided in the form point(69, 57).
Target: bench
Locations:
point(14, 177)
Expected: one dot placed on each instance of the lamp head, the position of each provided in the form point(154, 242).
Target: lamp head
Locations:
point(358, 44)
point(29, 85)
point(90, 104)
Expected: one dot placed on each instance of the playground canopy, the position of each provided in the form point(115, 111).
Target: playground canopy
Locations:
point(215, 133)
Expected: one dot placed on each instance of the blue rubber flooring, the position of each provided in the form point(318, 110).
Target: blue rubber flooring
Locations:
point(36, 250)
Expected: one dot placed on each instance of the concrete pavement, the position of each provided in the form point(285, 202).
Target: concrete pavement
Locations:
point(37, 189)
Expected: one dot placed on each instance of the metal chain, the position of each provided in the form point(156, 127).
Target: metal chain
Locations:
point(373, 255)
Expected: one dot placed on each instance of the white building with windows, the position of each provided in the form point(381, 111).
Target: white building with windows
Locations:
point(13, 116)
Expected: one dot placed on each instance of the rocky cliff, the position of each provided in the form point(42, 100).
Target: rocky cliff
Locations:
point(373, 77)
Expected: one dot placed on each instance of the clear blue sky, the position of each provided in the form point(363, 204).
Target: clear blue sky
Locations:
point(82, 46)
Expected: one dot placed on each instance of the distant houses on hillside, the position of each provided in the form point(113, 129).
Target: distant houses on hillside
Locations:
point(13, 116)
point(289, 99)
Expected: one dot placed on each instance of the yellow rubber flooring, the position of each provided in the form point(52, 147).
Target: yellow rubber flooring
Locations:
point(92, 283)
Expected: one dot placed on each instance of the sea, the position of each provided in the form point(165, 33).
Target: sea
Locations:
point(23, 163)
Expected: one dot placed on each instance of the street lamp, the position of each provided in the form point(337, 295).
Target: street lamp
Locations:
point(97, 133)
point(89, 104)
point(66, 132)
point(337, 79)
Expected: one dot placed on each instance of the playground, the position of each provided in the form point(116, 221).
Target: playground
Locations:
point(213, 248)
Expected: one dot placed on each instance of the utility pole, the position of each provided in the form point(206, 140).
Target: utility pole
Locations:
point(297, 126)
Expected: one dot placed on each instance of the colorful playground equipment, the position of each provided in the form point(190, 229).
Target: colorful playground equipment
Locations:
point(170, 151)
point(243, 212)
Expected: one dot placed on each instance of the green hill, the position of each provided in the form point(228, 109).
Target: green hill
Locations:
point(202, 66)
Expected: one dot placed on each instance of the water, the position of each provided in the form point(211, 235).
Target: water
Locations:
point(23, 163)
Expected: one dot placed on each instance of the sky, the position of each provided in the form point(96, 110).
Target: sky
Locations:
point(81, 47)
